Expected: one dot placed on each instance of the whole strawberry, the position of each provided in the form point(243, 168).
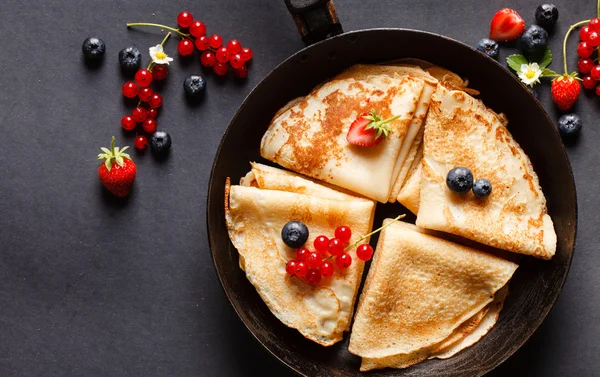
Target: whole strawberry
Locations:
point(506, 25)
point(117, 173)
point(565, 90)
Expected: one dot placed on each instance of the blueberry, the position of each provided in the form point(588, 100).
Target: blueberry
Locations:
point(488, 47)
point(294, 234)
point(546, 15)
point(534, 40)
point(194, 85)
point(130, 59)
point(161, 142)
point(569, 126)
point(482, 188)
point(93, 48)
point(459, 180)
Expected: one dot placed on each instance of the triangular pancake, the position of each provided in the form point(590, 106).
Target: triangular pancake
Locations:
point(309, 137)
point(420, 289)
point(255, 217)
point(461, 131)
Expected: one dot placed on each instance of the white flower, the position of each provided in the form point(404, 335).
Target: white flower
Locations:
point(159, 56)
point(530, 73)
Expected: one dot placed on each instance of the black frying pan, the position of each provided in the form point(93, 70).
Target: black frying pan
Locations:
point(536, 284)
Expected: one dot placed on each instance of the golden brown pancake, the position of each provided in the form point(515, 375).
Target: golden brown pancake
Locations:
point(255, 214)
point(309, 136)
point(419, 291)
point(461, 131)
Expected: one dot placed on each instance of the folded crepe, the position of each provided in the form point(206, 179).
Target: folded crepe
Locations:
point(461, 131)
point(422, 297)
point(309, 134)
point(255, 213)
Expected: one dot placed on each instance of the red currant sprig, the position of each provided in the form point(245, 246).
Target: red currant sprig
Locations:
point(146, 116)
point(214, 54)
point(313, 266)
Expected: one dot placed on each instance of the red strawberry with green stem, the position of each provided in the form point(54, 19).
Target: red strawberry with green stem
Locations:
point(369, 129)
point(565, 88)
point(117, 173)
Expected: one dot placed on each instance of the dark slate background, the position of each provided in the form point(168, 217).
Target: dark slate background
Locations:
point(94, 287)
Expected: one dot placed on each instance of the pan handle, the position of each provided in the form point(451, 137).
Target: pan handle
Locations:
point(315, 19)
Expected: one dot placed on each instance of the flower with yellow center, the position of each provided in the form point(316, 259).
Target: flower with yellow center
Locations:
point(159, 56)
point(530, 73)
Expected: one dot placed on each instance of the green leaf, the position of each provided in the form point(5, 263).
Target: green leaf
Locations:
point(105, 150)
point(546, 72)
point(108, 164)
point(546, 59)
point(515, 61)
point(124, 149)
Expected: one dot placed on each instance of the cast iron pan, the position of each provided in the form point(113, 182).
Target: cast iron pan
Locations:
point(534, 287)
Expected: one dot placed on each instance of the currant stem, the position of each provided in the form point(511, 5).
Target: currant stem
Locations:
point(567, 36)
point(184, 35)
point(373, 232)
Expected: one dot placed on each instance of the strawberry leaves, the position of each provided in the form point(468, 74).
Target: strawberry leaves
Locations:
point(113, 154)
point(379, 125)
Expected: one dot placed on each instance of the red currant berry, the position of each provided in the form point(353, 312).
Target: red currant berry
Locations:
point(155, 101)
point(598, 90)
point(141, 142)
point(160, 71)
point(584, 50)
point(302, 254)
point(202, 43)
point(313, 260)
point(585, 65)
point(222, 55)
point(343, 261)
point(128, 123)
point(335, 247)
point(215, 41)
point(145, 94)
point(234, 46)
point(221, 69)
point(246, 53)
point(152, 113)
point(236, 61)
point(343, 233)
point(208, 59)
point(313, 277)
point(595, 72)
point(594, 39)
point(364, 252)
point(301, 269)
point(594, 24)
point(130, 90)
point(149, 125)
point(139, 114)
point(185, 19)
point(584, 33)
point(588, 83)
point(197, 29)
point(185, 47)
point(143, 78)
point(326, 269)
point(290, 267)
point(321, 243)
point(241, 73)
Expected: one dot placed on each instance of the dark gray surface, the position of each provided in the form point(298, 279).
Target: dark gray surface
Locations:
point(91, 286)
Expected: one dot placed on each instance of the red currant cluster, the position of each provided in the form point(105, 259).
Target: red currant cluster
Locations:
point(590, 40)
point(312, 266)
point(146, 116)
point(214, 54)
